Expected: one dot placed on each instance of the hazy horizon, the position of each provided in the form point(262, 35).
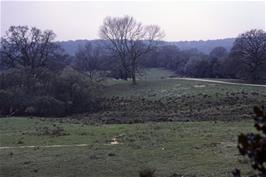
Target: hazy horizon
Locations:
point(181, 21)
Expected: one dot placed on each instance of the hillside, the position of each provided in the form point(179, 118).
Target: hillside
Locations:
point(206, 46)
point(203, 46)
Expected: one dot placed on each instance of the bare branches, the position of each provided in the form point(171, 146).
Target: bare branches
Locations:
point(250, 50)
point(87, 61)
point(129, 40)
point(25, 47)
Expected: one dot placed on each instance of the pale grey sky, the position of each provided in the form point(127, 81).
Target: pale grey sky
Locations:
point(181, 20)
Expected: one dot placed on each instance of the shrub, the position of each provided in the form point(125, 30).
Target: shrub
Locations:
point(13, 102)
point(147, 172)
point(46, 106)
point(254, 145)
point(5, 102)
point(47, 93)
point(77, 91)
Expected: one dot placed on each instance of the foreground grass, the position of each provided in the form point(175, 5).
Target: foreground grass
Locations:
point(205, 148)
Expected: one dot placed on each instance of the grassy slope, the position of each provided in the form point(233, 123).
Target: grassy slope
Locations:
point(157, 99)
point(156, 89)
point(196, 148)
point(156, 83)
point(190, 148)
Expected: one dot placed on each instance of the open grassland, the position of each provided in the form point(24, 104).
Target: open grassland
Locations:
point(201, 149)
point(171, 139)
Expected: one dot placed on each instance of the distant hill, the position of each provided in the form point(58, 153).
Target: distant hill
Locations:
point(203, 46)
point(72, 46)
point(206, 46)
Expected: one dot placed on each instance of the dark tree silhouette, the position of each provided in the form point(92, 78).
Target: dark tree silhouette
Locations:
point(22, 46)
point(254, 145)
point(216, 62)
point(249, 50)
point(218, 52)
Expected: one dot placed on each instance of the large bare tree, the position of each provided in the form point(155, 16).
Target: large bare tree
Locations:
point(249, 51)
point(129, 40)
point(22, 46)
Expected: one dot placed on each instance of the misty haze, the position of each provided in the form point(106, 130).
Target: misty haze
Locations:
point(133, 89)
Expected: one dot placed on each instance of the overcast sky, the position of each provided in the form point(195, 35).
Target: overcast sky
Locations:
point(191, 20)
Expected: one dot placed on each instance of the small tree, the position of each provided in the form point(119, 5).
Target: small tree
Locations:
point(254, 145)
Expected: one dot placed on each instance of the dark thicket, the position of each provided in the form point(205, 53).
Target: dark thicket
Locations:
point(191, 63)
point(249, 56)
point(34, 79)
point(254, 145)
point(46, 93)
point(147, 172)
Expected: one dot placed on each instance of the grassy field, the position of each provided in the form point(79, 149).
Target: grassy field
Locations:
point(205, 148)
point(174, 126)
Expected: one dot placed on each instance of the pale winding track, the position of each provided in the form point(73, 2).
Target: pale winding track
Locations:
point(220, 82)
point(44, 146)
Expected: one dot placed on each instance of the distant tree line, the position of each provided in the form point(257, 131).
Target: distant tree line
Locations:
point(37, 77)
point(246, 60)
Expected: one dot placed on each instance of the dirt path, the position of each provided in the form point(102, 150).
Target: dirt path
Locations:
point(113, 141)
point(221, 82)
point(44, 146)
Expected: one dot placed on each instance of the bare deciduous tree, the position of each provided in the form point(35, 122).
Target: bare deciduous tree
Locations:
point(249, 50)
point(25, 47)
point(129, 40)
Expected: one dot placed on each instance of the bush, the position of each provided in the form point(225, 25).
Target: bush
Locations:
point(13, 102)
point(5, 102)
point(254, 145)
point(46, 106)
point(77, 91)
point(47, 93)
point(197, 67)
point(147, 172)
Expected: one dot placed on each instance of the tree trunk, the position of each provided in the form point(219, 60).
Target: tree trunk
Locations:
point(134, 78)
point(133, 72)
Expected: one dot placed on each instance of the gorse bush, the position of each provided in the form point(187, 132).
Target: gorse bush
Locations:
point(254, 145)
point(5, 101)
point(147, 172)
point(46, 106)
point(78, 92)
